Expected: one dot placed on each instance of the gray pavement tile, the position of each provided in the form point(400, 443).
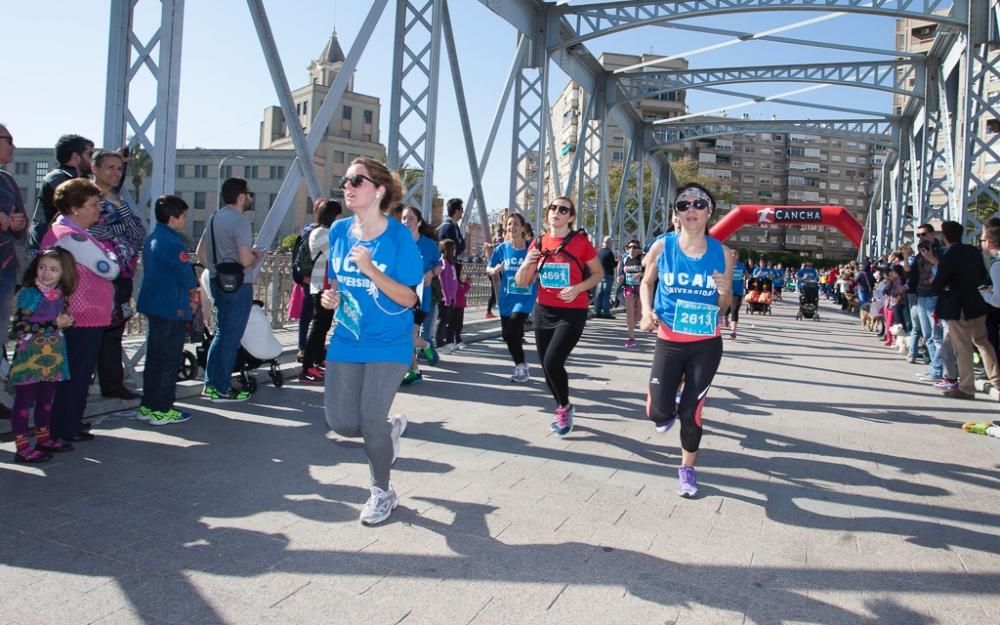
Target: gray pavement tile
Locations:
point(128, 616)
point(29, 517)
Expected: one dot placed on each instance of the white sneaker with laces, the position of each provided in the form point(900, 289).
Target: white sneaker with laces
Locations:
point(398, 422)
point(379, 506)
point(460, 346)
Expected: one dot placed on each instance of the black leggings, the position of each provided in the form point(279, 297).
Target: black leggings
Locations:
point(697, 362)
point(557, 331)
point(734, 308)
point(315, 351)
point(512, 331)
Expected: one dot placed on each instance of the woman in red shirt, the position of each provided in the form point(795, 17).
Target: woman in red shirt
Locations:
point(557, 258)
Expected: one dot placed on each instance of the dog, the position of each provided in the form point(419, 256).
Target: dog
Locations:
point(852, 303)
point(867, 321)
point(902, 338)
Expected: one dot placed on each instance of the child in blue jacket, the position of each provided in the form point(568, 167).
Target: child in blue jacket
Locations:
point(168, 297)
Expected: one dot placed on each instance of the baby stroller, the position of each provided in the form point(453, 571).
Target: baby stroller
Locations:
point(808, 302)
point(257, 347)
point(758, 298)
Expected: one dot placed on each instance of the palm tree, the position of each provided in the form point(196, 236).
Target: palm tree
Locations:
point(140, 163)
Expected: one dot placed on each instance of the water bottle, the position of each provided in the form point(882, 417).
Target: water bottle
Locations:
point(994, 431)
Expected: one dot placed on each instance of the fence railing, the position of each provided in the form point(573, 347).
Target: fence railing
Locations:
point(274, 283)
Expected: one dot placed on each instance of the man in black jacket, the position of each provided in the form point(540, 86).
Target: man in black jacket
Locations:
point(73, 153)
point(451, 227)
point(960, 272)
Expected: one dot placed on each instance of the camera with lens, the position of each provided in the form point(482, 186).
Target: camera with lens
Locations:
point(924, 245)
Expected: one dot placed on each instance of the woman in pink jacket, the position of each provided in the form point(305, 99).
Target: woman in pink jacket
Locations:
point(90, 305)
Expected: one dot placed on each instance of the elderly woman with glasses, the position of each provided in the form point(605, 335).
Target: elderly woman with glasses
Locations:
point(558, 259)
point(688, 280)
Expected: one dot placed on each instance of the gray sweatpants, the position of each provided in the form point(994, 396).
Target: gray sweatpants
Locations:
point(357, 399)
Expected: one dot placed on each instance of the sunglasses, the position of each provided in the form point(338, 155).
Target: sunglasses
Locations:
point(631, 247)
point(251, 194)
point(923, 234)
point(683, 205)
point(355, 181)
point(562, 210)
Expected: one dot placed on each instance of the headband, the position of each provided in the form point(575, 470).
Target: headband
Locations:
point(700, 195)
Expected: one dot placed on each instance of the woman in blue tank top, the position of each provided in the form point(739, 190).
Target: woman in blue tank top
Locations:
point(739, 290)
point(688, 280)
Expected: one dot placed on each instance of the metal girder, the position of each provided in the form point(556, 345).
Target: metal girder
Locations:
point(290, 185)
point(879, 131)
point(629, 218)
point(121, 122)
point(749, 36)
point(527, 157)
point(663, 189)
point(889, 76)
point(413, 101)
point(810, 105)
point(980, 176)
point(270, 48)
point(596, 20)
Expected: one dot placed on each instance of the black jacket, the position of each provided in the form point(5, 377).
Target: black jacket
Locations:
point(960, 272)
point(45, 208)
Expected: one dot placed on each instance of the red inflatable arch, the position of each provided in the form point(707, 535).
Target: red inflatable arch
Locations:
point(763, 214)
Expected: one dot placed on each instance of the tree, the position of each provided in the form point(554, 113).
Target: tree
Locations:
point(140, 164)
point(686, 169)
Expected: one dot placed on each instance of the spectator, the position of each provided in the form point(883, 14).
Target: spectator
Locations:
point(451, 227)
point(445, 336)
point(168, 298)
point(606, 255)
point(12, 225)
point(991, 294)
point(325, 212)
point(123, 231)
point(91, 303)
point(73, 154)
point(960, 273)
point(227, 239)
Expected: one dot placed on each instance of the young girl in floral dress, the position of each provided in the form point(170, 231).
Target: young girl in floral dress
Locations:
point(40, 358)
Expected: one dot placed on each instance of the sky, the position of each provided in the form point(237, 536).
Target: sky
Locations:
point(56, 63)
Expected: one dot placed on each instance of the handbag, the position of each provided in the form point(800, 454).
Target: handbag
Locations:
point(228, 275)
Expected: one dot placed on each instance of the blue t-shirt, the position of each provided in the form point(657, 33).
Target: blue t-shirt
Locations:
point(807, 274)
point(687, 301)
point(739, 288)
point(370, 326)
point(430, 256)
point(513, 298)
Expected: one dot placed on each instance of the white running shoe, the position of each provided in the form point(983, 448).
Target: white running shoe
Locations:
point(450, 348)
point(460, 346)
point(398, 422)
point(379, 506)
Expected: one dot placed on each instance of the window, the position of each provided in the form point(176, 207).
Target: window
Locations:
point(765, 181)
point(305, 108)
point(765, 150)
point(277, 171)
point(249, 172)
point(367, 117)
point(21, 169)
point(348, 112)
point(181, 171)
point(616, 155)
point(201, 171)
point(199, 199)
point(271, 197)
point(706, 157)
point(41, 168)
point(747, 149)
point(778, 137)
point(992, 126)
point(723, 159)
point(227, 171)
point(796, 151)
point(749, 164)
point(197, 228)
point(338, 156)
point(747, 179)
point(366, 136)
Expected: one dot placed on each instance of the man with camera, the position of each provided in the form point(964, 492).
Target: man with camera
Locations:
point(921, 267)
point(226, 250)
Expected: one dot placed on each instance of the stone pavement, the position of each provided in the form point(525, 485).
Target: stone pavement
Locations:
point(836, 489)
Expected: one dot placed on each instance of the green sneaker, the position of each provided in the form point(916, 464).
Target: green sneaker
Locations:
point(143, 413)
point(431, 355)
point(412, 377)
point(233, 395)
point(157, 417)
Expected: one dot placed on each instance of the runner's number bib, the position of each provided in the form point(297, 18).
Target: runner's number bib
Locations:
point(349, 314)
point(554, 275)
point(513, 289)
point(695, 318)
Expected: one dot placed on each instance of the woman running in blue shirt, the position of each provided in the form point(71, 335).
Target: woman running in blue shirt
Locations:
point(375, 269)
point(688, 280)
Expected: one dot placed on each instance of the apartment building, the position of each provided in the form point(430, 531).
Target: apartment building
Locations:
point(785, 168)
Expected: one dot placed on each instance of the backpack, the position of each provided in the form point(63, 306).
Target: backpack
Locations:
point(584, 269)
point(302, 260)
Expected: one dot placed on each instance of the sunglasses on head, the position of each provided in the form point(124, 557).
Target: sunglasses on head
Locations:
point(562, 210)
point(355, 181)
point(683, 205)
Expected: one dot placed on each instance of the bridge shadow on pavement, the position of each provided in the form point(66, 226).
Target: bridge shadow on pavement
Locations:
point(845, 506)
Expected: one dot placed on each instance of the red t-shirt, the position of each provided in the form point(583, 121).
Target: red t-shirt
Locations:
point(558, 271)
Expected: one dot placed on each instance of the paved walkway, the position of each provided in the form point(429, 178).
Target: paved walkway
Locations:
point(827, 498)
